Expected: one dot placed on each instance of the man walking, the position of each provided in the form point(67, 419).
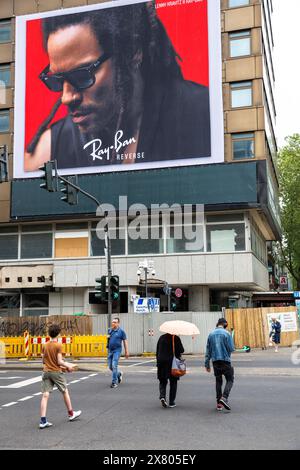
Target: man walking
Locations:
point(219, 349)
point(53, 376)
point(115, 337)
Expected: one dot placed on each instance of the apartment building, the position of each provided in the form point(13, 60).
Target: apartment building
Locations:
point(50, 253)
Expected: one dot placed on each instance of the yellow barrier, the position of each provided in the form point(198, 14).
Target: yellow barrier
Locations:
point(75, 346)
point(89, 346)
point(14, 346)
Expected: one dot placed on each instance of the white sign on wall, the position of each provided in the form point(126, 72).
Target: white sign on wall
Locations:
point(288, 321)
point(146, 305)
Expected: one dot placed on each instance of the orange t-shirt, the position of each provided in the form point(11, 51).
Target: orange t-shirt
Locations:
point(50, 351)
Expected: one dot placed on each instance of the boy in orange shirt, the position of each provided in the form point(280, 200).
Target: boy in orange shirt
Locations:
point(53, 376)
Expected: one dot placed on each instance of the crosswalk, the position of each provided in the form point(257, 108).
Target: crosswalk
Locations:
point(25, 383)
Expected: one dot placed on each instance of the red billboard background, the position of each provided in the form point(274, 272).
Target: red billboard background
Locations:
point(187, 27)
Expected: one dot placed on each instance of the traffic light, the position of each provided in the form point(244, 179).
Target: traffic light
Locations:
point(71, 193)
point(114, 287)
point(3, 164)
point(101, 288)
point(50, 181)
point(173, 302)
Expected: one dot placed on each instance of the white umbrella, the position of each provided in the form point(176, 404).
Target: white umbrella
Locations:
point(179, 327)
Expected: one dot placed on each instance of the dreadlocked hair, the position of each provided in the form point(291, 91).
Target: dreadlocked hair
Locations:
point(131, 34)
point(134, 37)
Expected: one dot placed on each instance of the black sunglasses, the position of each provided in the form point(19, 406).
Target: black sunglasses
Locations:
point(81, 78)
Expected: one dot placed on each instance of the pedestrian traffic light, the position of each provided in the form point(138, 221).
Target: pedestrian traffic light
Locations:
point(101, 288)
point(114, 288)
point(70, 193)
point(50, 181)
point(3, 164)
point(173, 302)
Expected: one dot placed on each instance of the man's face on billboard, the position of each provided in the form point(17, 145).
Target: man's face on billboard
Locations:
point(93, 108)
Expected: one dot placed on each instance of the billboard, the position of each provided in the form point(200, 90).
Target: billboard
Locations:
point(119, 86)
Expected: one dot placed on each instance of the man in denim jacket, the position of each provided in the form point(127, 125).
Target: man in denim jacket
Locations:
point(219, 348)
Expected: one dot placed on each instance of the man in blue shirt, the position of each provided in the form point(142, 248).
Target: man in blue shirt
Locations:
point(219, 349)
point(115, 337)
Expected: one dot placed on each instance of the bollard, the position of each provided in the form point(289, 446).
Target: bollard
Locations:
point(26, 344)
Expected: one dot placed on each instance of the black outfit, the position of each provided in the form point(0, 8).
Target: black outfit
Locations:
point(164, 358)
point(175, 124)
point(223, 368)
point(276, 332)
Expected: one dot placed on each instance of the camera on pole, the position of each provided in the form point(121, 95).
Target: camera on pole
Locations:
point(70, 193)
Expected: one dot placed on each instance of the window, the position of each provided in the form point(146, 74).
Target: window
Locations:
point(185, 239)
point(147, 240)
point(5, 31)
point(241, 94)
point(238, 3)
point(117, 244)
point(223, 235)
point(258, 244)
point(10, 306)
point(243, 146)
point(9, 243)
point(4, 120)
point(240, 43)
point(36, 241)
point(5, 76)
point(35, 304)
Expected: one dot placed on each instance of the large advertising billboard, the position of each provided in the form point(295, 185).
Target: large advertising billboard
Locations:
point(119, 86)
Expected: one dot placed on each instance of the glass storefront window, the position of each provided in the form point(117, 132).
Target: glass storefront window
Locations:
point(226, 238)
point(8, 246)
point(36, 245)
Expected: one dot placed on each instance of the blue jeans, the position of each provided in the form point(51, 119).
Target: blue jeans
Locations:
point(113, 359)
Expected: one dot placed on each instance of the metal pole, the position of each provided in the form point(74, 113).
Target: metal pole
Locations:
point(146, 285)
point(109, 274)
point(169, 299)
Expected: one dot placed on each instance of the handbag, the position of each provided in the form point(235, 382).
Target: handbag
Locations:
point(178, 365)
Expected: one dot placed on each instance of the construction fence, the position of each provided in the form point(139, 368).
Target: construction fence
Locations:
point(251, 328)
point(74, 346)
point(252, 325)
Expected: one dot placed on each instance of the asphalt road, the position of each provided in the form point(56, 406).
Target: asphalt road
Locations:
point(265, 411)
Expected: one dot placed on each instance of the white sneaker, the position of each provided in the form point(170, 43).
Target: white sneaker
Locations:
point(45, 425)
point(76, 415)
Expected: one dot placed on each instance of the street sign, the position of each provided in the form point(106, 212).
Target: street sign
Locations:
point(178, 293)
point(283, 280)
point(146, 305)
point(297, 295)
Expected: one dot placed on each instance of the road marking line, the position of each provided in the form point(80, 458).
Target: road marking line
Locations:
point(83, 378)
point(10, 404)
point(10, 378)
point(24, 383)
point(93, 375)
point(37, 394)
point(141, 363)
point(26, 398)
point(74, 382)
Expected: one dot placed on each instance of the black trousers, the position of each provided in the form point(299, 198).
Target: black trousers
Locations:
point(173, 389)
point(223, 368)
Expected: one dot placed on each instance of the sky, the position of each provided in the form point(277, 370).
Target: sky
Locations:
point(287, 67)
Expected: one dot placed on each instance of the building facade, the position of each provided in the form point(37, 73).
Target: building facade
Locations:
point(50, 254)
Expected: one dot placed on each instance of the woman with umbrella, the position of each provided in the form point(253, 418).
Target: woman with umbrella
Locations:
point(169, 345)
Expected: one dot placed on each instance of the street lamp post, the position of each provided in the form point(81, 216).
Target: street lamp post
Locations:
point(148, 267)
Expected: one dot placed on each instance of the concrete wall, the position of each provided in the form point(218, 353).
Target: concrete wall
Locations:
point(183, 270)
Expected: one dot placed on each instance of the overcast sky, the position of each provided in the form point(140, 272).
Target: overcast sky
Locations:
point(287, 67)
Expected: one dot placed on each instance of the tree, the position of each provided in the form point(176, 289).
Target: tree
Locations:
point(289, 179)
